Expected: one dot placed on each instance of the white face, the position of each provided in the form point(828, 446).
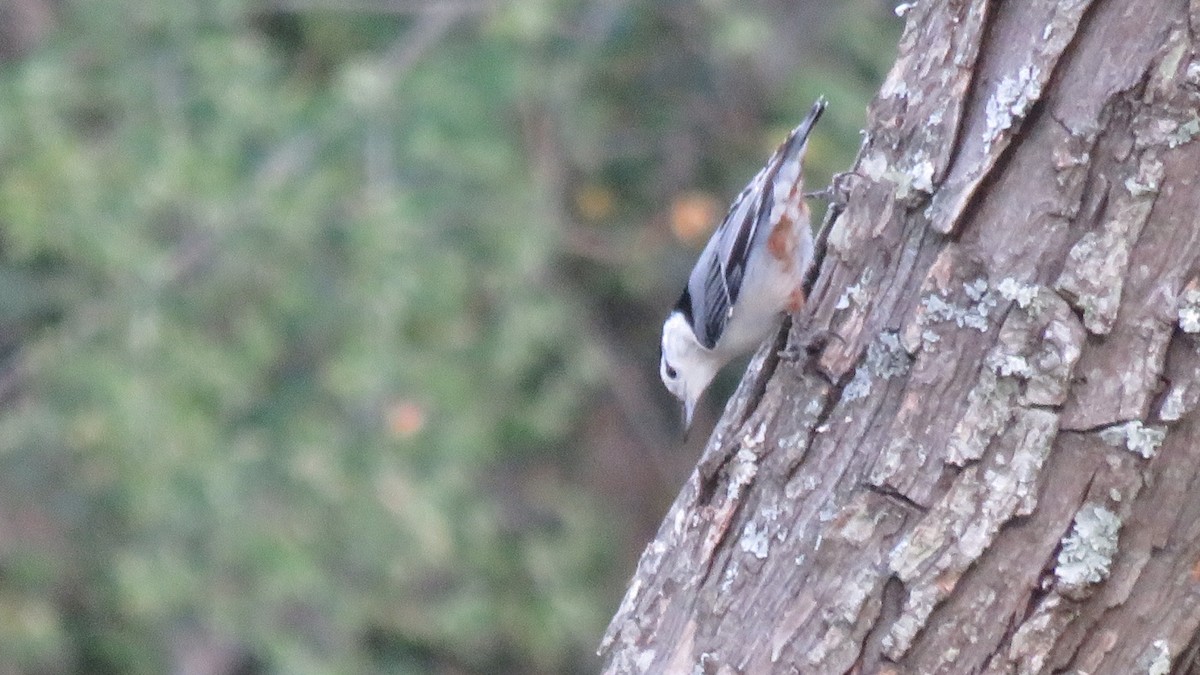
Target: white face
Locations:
point(686, 367)
point(671, 377)
point(678, 348)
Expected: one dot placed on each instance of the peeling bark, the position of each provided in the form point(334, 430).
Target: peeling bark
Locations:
point(995, 469)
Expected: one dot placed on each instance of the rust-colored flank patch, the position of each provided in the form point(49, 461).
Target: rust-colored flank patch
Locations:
point(795, 300)
point(782, 243)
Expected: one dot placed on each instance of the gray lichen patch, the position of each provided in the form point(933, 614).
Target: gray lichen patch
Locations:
point(1025, 295)
point(1189, 310)
point(1176, 404)
point(972, 314)
point(1157, 658)
point(886, 359)
point(1173, 129)
point(857, 293)
point(1011, 100)
point(1135, 437)
point(1039, 344)
point(1148, 180)
point(990, 405)
point(1087, 551)
point(859, 387)
point(1094, 275)
point(917, 181)
point(755, 540)
point(1185, 132)
point(742, 471)
point(1092, 279)
point(1010, 365)
point(911, 183)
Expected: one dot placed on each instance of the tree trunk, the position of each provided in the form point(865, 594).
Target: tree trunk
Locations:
point(994, 468)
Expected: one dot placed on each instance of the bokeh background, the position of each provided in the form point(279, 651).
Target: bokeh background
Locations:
point(329, 328)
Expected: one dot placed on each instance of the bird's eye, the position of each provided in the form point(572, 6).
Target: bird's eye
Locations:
point(671, 372)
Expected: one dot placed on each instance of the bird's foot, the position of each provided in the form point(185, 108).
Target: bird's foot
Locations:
point(838, 190)
point(807, 343)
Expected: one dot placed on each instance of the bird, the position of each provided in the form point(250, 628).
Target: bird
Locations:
point(749, 275)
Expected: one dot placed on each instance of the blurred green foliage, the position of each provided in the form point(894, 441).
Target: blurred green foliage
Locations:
point(299, 308)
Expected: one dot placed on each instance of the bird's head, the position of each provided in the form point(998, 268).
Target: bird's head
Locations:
point(687, 367)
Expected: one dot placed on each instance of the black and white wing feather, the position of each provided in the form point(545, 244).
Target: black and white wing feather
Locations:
point(713, 287)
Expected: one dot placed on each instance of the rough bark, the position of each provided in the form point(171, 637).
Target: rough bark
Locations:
point(995, 468)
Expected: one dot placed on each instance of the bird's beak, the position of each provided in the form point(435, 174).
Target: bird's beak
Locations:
point(688, 408)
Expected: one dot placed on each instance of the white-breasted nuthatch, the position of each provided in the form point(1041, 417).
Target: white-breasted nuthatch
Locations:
point(749, 274)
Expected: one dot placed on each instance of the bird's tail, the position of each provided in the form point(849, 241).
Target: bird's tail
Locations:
point(799, 136)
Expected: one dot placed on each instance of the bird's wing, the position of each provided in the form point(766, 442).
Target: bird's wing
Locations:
point(716, 279)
